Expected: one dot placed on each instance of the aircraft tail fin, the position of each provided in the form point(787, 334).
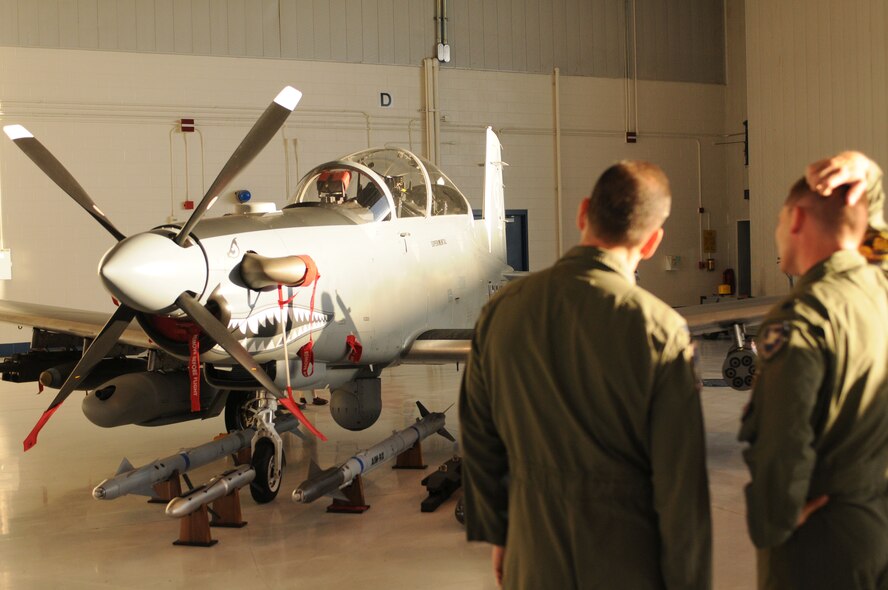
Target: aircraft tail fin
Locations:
point(494, 197)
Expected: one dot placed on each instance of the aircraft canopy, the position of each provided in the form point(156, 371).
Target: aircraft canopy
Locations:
point(378, 184)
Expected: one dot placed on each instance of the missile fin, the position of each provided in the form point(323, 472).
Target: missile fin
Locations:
point(422, 409)
point(443, 432)
point(313, 469)
point(145, 491)
point(338, 495)
point(125, 466)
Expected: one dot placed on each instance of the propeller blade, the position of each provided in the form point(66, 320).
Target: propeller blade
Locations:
point(104, 342)
point(256, 139)
point(218, 332)
point(58, 174)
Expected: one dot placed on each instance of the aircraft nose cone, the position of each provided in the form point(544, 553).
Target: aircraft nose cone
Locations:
point(149, 271)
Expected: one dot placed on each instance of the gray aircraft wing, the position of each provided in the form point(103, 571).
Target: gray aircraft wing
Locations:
point(76, 322)
point(716, 317)
point(431, 347)
point(453, 346)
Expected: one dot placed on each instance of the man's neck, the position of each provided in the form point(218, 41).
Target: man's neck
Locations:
point(631, 256)
point(817, 253)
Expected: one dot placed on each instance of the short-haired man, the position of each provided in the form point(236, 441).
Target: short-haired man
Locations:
point(817, 425)
point(582, 431)
point(861, 177)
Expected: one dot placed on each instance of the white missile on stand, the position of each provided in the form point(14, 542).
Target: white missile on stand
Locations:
point(328, 482)
point(130, 480)
point(216, 488)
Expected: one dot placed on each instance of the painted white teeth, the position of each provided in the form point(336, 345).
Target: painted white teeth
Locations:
point(302, 322)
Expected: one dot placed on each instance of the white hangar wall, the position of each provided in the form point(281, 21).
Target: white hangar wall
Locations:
point(679, 126)
point(818, 84)
point(111, 119)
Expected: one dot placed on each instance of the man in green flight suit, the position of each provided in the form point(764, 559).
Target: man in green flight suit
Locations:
point(582, 430)
point(817, 425)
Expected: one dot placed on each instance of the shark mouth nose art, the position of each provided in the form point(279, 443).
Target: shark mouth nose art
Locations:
point(262, 329)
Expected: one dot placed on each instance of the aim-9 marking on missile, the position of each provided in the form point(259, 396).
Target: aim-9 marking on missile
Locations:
point(328, 482)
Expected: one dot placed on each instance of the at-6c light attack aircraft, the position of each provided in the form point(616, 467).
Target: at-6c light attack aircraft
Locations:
point(375, 262)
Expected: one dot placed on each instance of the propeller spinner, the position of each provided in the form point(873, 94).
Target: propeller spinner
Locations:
point(154, 273)
point(149, 271)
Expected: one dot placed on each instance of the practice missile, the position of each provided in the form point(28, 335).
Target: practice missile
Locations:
point(327, 482)
point(218, 487)
point(130, 480)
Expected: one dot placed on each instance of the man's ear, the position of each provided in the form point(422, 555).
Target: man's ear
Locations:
point(797, 218)
point(650, 245)
point(582, 213)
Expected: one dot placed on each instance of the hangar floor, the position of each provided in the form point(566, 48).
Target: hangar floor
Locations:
point(53, 534)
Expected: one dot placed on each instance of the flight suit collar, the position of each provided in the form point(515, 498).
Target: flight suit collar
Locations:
point(840, 261)
point(591, 256)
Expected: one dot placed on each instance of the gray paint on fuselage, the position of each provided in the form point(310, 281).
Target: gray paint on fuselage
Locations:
point(307, 215)
point(420, 274)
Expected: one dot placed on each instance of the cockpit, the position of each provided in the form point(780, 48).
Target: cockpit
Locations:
point(379, 185)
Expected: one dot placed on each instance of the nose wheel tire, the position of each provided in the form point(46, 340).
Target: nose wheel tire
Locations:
point(267, 484)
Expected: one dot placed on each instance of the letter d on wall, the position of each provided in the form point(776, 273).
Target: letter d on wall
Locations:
point(385, 99)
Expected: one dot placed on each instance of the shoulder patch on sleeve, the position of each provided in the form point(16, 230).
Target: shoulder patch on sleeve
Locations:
point(772, 339)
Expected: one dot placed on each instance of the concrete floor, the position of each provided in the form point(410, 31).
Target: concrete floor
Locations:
point(54, 534)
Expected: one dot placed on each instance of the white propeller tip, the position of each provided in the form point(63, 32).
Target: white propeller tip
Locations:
point(16, 132)
point(288, 98)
